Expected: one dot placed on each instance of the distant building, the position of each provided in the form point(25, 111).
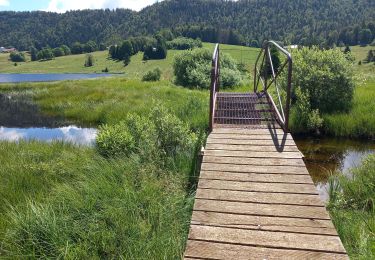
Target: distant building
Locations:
point(5, 50)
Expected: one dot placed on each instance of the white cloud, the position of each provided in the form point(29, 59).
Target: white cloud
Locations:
point(66, 5)
point(4, 2)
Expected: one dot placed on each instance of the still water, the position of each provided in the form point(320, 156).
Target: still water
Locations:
point(16, 78)
point(21, 119)
point(325, 156)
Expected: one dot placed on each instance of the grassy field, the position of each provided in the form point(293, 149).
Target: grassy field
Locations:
point(64, 201)
point(136, 69)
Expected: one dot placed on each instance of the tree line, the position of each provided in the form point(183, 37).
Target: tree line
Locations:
point(250, 22)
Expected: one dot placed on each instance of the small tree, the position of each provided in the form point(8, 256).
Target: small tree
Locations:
point(33, 53)
point(90, 46)
point(66, 50)
point(152, 75)
point(347, 49)
point(370, 56)
point(125, 51)
point(77, 48)
point(89, 61)
point(45, 54)
point(58, 52)
point(17, 56)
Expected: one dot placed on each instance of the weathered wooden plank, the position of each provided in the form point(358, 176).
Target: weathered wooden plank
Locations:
point(267, 238)
point(260, 197)
point(250, 142)
point(255, 177)
point(254, 161)
point(258, 186)
point(243, 131)
point(277, 138)
point(260, 209)
point(212, 250)
point(255, 148)
point(254, 168)
point(251, 154)
point(282, 224)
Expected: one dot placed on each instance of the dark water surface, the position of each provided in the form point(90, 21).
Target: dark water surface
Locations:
point(324, 156)
point(16, 78)
point(22, 119)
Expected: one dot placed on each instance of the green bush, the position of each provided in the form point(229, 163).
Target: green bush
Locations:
point(115, 140)
point(182, 43)
point(17, 56)
point(192, 68)
point(303, 118)
point(89, 61)
point(58, 52)
point(152, 75)
point(45, 54)
point(326, 77)
point(155, 135)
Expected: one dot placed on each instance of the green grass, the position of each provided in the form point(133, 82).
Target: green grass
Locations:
point(109, 100)
point(136, 69)
point(360, 120)
point(352, 208)
point(64, 201)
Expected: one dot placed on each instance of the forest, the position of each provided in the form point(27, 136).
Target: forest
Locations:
point(246, 22)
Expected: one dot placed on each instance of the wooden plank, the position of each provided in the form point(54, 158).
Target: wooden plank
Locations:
point(259, 197)
point(243, 131)
point(253, 161)
point(277, 138)
point(212, 250)
point(250, 142)
point(255, 148)
point(255, 177)
point(258, 186)
point(283, 224)
point(251, 154)
point(267, 239)
point(259, 209)
point(254, 168)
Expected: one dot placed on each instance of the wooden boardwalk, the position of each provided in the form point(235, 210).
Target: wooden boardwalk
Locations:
point(256, 200)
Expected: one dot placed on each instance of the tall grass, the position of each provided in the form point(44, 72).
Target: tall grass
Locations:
point(352, 208)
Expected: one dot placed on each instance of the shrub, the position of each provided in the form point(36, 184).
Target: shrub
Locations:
point(77, 48)
point(45, 54)
point(157, 134)
point(152, 75)
point(90, 46)
point(182, 43)
point(17, 56)
point(66, 50)
point(303, 118)
point(89, 62)
point(325, 76)
point(192, 68)
point(156, 52)
point(58, 52)
point(115, 140)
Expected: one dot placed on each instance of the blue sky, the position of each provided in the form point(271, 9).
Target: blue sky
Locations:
point(64, 5)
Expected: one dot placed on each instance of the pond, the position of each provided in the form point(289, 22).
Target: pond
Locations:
point(324, 156)
point(21, 119)
point(17, 78)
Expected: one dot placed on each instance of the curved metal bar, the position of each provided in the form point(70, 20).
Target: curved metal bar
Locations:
point(283, 117)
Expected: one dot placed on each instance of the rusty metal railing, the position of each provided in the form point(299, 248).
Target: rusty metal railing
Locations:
point(215, 84)
point(261, 76)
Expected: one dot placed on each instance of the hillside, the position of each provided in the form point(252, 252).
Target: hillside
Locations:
point(306, 22)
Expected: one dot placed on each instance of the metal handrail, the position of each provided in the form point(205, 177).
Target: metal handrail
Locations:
point(283, 113)
point(215, 83)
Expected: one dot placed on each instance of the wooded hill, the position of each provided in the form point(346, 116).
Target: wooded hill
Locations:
point(295, 21)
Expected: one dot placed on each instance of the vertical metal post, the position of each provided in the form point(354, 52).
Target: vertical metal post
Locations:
point(288, 91)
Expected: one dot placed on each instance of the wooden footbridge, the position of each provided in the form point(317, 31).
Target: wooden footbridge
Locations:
point(255, 197)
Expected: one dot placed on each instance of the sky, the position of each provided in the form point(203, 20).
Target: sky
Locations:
point(66, 5)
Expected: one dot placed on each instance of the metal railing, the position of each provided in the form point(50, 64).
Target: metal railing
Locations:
point(215, 83)
point(261, 76)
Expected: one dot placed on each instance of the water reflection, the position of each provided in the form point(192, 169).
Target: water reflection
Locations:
point(18, 110)
point(328, 155)
point(73, 134)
